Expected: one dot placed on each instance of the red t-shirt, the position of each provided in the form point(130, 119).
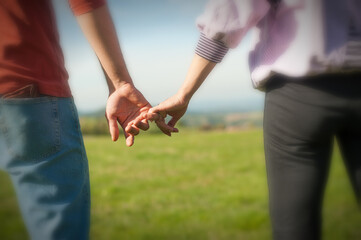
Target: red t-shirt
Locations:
point(30, 52)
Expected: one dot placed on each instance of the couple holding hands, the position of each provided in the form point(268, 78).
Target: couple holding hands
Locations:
point(132, 111)
point(305, 56)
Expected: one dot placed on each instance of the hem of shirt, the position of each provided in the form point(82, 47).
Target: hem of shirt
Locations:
point(85, 8)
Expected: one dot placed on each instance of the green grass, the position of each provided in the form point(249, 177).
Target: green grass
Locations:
point(195, 185)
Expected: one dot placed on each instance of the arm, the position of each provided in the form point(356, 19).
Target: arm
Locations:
point(125, 103)
point(228, 21)
point(197, 73)
point(99, 30)
point(222, 26)
point(176, 105)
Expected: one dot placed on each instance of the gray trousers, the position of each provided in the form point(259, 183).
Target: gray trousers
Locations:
point(302, 118)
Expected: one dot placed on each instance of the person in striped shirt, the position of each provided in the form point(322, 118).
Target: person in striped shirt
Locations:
point(306, 57)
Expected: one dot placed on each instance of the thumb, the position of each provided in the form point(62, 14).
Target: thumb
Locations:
point(156, 109)
point(152, 116)
point(155, 114)
point(162, 107)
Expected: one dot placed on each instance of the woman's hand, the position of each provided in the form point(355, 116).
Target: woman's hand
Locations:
point(175, 106)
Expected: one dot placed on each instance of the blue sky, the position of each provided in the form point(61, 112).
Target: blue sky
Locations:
point(158, 39)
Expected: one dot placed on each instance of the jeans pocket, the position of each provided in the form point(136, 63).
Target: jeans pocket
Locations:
point(31, 128)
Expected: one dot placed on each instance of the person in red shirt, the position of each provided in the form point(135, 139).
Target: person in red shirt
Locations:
point(40, 140)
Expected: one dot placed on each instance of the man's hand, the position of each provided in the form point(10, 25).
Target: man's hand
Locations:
point(126, 106)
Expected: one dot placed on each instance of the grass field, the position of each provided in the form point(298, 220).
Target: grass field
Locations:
point(195, 185)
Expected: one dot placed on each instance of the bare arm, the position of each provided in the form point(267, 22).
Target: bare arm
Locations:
point(223, 25)
point(197, 73)
point(176, 105)
point(99, 30)
point(125, 103)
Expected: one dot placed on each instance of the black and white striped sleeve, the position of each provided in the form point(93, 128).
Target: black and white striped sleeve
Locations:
point(210, 49)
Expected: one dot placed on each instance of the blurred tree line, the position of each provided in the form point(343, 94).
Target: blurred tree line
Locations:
point(97, 125)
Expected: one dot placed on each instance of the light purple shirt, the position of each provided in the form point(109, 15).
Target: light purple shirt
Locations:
point(297, 38)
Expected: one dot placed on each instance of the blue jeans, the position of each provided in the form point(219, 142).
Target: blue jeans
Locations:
point(42, 150)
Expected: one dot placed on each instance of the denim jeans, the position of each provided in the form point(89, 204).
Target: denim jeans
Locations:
point(42, 150)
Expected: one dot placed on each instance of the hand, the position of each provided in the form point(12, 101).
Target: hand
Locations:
point(126, 106)
point(174, 106)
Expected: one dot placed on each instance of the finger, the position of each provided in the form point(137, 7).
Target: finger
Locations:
point(155, 109)
point(170, 128)
point(144, 115)
point(152, 116)
point(132, 130)
point(141, 123)
point(113, 128)
point(163, 114)
point(163, 107)
point(129, 140)
point(173, 122)
point(144, 125)
point(165, 128)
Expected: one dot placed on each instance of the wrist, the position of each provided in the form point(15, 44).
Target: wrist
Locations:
point(118, 84)
point(184, 96)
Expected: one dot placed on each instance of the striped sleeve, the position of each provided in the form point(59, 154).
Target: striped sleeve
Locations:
point(83, 6)
point(210, 49)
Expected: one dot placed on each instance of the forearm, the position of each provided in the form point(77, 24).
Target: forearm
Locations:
point(99, 30)
point(197, 73)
